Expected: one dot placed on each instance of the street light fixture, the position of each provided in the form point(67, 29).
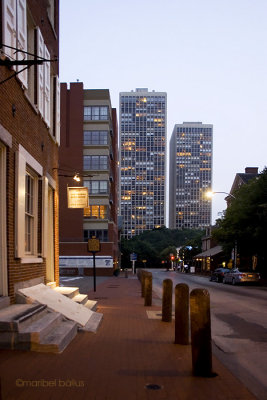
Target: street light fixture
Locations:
point(210, 194)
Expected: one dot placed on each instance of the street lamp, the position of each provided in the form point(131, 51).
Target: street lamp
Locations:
point(210, 195)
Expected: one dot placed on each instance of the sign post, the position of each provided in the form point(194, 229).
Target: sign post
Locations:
point(133, 258)
point(94, 247)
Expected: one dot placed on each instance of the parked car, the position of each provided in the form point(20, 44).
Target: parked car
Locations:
point(218, 274)
point(241, 275)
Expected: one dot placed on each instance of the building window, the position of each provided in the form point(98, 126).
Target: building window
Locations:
point(96, 212)
point(102, 235)
point(97, 187)
point(30, 213)
point(95, 113)
point(95, 137)
point(95, 163)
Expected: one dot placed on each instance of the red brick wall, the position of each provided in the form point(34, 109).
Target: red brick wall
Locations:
point(70, 159)
point(28, 129)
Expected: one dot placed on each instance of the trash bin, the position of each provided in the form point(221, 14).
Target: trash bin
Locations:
point(192, 270)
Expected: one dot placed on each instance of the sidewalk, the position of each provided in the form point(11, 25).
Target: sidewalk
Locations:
point(128, 352)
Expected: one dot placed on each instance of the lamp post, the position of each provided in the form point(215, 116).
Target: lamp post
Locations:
point(210, 195)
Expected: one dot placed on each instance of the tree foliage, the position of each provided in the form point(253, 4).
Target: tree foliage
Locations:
point(156, 245)
point(245, 220)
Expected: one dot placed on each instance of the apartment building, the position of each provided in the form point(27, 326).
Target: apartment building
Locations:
point(142, 160)
point(190, 175)
point(29, 139)
point(89, 150)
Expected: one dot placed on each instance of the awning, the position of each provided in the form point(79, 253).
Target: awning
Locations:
point(210, 252)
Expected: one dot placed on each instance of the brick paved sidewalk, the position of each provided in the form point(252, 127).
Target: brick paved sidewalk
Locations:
point(128, 352)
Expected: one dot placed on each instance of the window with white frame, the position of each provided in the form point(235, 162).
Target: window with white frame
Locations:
point(14, 34)
point(28, 207)
point(30, 213)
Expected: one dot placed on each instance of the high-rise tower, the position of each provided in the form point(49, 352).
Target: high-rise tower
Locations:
point(190, 175)
point(142, 160)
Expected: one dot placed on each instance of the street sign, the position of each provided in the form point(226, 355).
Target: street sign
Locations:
point(133, 256)
point(94, 245)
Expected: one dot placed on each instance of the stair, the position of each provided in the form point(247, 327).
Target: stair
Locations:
point(74, 294)
point(35, 327)
point(4, 301)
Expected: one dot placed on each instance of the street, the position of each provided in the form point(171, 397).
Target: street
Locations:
point(238, 325)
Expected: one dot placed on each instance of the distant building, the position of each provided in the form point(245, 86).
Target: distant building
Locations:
point(142, 160)
point(29, 139)
point(89, 149)
point(190, 175)
point(241, 179)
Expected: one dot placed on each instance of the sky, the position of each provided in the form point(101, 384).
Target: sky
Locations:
point(209, 56)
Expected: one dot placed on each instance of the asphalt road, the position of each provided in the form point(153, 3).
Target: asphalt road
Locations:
point(238, 325)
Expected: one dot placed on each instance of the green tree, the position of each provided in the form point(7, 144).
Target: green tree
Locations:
point(245, 221)
point(155, 244)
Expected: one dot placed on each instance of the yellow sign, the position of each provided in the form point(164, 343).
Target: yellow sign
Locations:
point(77, 197)
point(94, 245)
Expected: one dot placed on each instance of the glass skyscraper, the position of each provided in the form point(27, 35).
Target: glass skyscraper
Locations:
point(142, 160)
point(190, 175)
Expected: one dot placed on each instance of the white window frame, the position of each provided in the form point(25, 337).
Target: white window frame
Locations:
point(25, 160)
point(3, 238)
point(14, 21)
point(31, 214)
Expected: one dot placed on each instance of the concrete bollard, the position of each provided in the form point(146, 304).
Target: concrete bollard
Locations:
point(181, 314)
point(201, 333)
point(143, 274)
point(167, 301)
point(148, 289)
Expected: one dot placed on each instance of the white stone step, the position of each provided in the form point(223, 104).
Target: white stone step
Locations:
point(80, 298)
point(38, 329)
point(18, 315)
point(52, 285)
point(69, 292)
point(57, 302)
point(91, 305)
point(58, 338)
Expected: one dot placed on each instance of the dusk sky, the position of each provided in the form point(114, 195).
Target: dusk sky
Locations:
point(210, 56)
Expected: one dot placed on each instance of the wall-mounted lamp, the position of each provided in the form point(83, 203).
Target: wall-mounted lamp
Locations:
point(77, 178)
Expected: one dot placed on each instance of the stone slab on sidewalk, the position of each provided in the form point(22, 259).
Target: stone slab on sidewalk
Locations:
point(131, 357)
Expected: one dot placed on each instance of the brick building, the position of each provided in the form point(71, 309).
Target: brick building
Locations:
point(29, 139)
point(89, 149)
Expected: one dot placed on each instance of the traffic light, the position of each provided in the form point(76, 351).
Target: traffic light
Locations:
point(172, 258)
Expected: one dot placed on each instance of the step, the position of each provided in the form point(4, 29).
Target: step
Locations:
point(91, 305)
point(80, 298)
point(93, 323)
point(52, 285)
point(58, 339)
point(69, 292)
point(18, 315)
point(40, 328)
point(4, 302)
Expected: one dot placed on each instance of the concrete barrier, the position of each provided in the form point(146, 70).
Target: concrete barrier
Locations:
point(148, 288)
point(201, 333)
point(167, 300)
